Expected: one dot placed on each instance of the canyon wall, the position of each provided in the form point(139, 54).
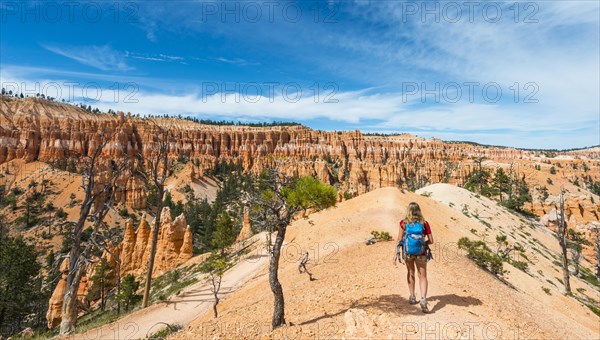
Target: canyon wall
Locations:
point(35, 129)
point(39, 130)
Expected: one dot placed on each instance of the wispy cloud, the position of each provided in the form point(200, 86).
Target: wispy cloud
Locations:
point(101, 57)
point(154, 57)
point(236, 61)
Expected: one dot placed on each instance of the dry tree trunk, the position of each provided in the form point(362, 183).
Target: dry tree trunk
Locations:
point(562, 233)
point(279, 303)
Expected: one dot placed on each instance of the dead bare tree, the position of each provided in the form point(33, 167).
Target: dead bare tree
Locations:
point(99, 182)
point(215, 266)
point(302, 266)
point(561, 232)
point(155, 172)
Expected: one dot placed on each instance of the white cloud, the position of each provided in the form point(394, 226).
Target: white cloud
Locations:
point(520, 125)
point(101, 57)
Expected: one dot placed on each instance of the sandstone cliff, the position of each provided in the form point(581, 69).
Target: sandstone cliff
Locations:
point(35, 129)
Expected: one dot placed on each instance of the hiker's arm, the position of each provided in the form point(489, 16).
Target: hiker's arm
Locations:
point(400, 235)
point(430, 235)
point(400, 232)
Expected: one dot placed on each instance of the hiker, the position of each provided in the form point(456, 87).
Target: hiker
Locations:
point(414, 238)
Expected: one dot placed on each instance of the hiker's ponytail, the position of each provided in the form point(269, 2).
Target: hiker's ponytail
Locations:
point(414, 214)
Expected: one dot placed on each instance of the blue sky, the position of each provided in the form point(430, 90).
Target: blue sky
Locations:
point(524, 75)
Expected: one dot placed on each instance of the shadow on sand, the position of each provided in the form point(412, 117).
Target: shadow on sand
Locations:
point(451, 299)
point(399, 305)
point(394, 304)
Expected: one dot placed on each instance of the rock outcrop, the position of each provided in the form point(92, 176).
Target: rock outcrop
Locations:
point(53, 316)
point(246, 230)
point(174, 247)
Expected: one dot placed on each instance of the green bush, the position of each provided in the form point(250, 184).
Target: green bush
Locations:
point(61, 214)
point(546, 290)
point(481, 254)
point(124, 212)
point(519, 265)
point(128, 295)
point(381, 235)
point(347, 195)
point(594, 309)
point(163, 333)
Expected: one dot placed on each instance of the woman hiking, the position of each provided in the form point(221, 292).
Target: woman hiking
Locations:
point(414, 235)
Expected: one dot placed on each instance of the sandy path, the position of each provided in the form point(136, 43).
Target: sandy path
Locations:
point(194, 301)
point(359, 294)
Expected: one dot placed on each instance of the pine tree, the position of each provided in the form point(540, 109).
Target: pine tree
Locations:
point(224, 234)
point(128, 295)
point(501, 183)
point(18, 271)
point(101, 281)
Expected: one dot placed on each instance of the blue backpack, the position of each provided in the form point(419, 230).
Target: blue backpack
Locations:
point(413, 241)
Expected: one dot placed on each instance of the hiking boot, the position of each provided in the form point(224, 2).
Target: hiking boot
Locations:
point(423, 304)
point(412, 300)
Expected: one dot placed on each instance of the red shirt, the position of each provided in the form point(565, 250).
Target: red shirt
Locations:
point(426, 232)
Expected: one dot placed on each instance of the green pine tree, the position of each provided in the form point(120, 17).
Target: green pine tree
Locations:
point(224, 234)
point(101, 282)
point(18, 272)
point(128, 295)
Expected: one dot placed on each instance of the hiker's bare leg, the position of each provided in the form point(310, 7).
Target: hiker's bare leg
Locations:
point(410, 276)
point(422, 268)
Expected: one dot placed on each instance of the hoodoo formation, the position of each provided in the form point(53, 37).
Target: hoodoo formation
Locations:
point(174, 247)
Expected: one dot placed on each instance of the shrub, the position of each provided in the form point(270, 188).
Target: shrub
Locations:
point(61, 214)
point(347, 195)
point(381, 235)
point(519, 265)
point(163, 333)
point(481, 254)
point(465, 210)
point(546, 290)
point(594, 309)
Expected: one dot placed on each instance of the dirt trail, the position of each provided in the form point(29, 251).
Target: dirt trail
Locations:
point(359, 293)
point(194, 301)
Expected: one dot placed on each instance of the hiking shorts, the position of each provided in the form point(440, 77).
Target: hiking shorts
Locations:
point(418, 258)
